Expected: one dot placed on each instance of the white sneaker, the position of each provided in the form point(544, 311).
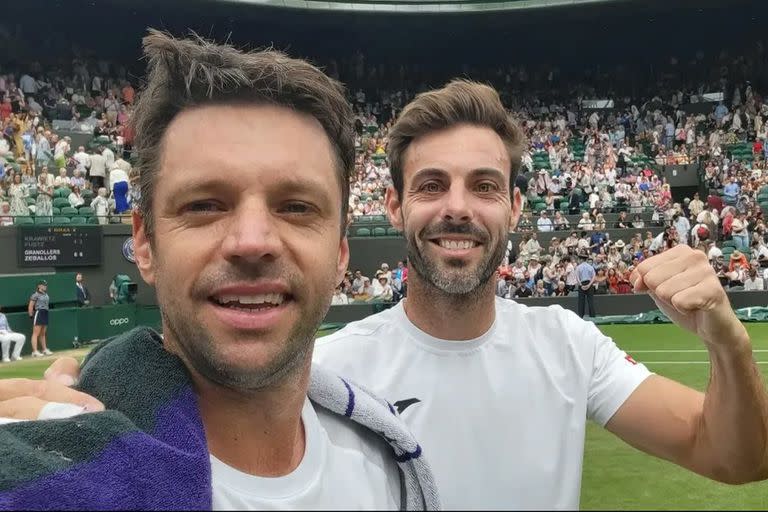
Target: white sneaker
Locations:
point(6, 360)
point(17, 358)
point(47, 352)
point(36, 354)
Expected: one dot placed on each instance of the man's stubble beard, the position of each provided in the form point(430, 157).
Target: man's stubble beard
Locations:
point(198, 346)
point(462, 283)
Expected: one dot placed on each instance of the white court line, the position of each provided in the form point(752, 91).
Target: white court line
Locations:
point(698, 351)
point(685, 362)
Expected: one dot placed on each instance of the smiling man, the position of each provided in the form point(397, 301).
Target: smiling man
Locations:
point(245, 161)
point(498, 392)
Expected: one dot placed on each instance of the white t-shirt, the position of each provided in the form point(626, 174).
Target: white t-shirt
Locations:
point(344, 467)
point(501, 418)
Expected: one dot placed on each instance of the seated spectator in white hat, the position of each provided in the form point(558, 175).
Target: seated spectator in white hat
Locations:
point(8, 337)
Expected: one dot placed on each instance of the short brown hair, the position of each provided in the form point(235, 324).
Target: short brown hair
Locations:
point(186, 73)
point(459, 102)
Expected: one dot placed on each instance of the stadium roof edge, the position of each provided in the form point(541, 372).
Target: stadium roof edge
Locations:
point(420, 6)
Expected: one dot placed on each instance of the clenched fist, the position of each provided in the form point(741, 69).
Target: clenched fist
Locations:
point(685, 287)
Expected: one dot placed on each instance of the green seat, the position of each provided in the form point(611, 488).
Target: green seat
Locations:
point(23, 220)
point(379, 232)
point(62, 192)
point(61, 220)
point(84, 111)
point(69, 211)
point(115, 220)
point(31, 201)
point(363, 232)
point(42, 220)
point(92, 220)
point(56, 211)
point(86, 211)
point(392, 232)
point(77, 220)
point(87, 196)
point(60, 202)
point(33, 193)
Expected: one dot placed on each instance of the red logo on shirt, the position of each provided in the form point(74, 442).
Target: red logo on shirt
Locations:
point(629, 358)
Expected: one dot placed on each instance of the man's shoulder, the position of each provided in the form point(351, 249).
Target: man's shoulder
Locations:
point(371, 328)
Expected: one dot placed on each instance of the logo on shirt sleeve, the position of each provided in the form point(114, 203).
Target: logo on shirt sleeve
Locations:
point(630, 359)
point(402, 405)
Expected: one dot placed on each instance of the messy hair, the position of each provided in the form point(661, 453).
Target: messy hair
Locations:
point(187, 73)
point(459, 102)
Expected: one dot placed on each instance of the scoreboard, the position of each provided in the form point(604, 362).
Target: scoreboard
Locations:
point(59, 246)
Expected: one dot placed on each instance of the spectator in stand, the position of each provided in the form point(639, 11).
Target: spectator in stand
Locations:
point(754, 282)
point(339, 297)
point(109, 157)
point(622, 222)
point(44, 155)
point(82, 159)
point(522, 290)
point(98, 170)
point(62, 180)
point(682, 227)
point(358, 283)
point(44, 200)
point(101, 206)
point(740, 232)
point(61, 149)
point(382, 291)
point(18, 192)
point(544, 223)
point(9, 338)
point(76, 198)
point(760, 252)
point(77, 180)
point(6, 219)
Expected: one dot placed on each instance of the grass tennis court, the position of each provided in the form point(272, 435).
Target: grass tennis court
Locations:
point(617, 476)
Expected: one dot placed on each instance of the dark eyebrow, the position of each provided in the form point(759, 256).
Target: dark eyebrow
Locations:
point(488, 172)
point(480, 172)
point(429, 172)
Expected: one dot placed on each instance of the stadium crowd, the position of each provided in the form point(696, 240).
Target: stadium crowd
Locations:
point(598, 164)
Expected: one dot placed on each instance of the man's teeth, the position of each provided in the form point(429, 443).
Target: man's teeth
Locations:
point(268, 298)
point(457, 244)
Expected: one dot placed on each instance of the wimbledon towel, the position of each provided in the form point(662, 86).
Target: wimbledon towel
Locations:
point(148, 450)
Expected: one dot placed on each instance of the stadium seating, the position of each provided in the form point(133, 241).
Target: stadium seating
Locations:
point(60, 202)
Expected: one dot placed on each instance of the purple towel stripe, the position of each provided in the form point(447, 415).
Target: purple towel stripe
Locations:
point(409, 455)
point(351, 402)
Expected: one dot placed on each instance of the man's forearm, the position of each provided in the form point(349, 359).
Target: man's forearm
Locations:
point(735, 415)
